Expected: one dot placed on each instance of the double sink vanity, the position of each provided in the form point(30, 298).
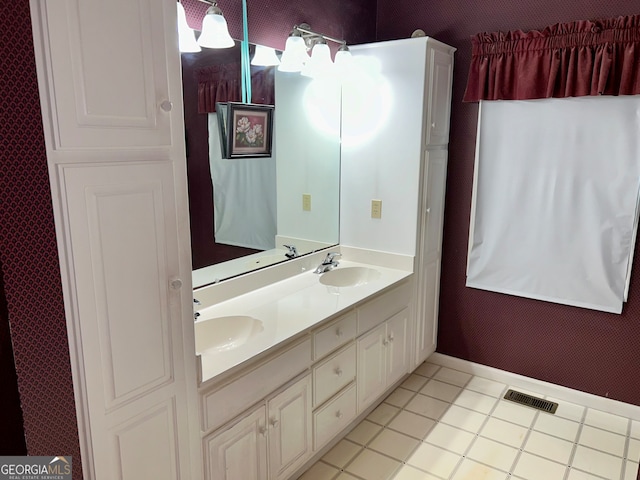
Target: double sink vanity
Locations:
point(286, 369)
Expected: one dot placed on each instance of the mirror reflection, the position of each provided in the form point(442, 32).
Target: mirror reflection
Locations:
point(243, 211)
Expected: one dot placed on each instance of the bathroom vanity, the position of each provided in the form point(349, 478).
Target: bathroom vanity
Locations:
point(147, 405)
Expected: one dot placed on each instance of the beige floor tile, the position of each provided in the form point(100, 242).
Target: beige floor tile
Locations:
point(342, 453)
point(463, 418)
point(596, 462)
point(434, 460)
point(514, 413)
point(606, 421)
point(567, 410)
point(475, 401)
point(414, 382)
point(451, 376)
point(488, 387)
point(412, 424)
point(579, 475)
point(373, 466)
point(634, 450)
point(470, 470)
point(557, 426)
point(440, 390)
point(400, 397)
point(450, 438)
point(394, 444)
point(427, 369)
point(504, 432)
point(346, 476)
point(320, 471)
point(363, 432)
point(383, 414)
point(602, 440)
point(407, 472)
point(549, 447)
point(427, 406)
point(531, 467)
point(630, 471)
point(492, 453)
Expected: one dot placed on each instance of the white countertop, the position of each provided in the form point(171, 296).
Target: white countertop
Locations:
point(286, 309)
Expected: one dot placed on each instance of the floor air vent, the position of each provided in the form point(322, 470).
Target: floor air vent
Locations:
point(533, 402)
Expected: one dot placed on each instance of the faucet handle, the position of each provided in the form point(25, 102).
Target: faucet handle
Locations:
point(293, 251)
point(332, 255)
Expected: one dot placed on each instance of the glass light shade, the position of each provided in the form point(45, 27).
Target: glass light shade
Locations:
point(343, 58)
point(265, 56)
point(320, 63)
point(186, 36)
point(294, 56)
point(215, 33)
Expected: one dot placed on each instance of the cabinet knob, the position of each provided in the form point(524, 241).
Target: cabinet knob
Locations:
point(273, 422)
point(338, 333)
point(167, 106)
point(262, 431)
point(433, 125)
point(391, 337)
point(175, 284)
point(338, 371)
point(428, 210)
point(385, 342)
point(339, 414)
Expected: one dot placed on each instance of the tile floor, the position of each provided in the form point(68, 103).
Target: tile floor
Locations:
point(445, 424)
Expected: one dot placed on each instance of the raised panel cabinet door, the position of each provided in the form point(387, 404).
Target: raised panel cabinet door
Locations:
point(125, 262)
point(435, 181)
point(289, 422)
point(239, 453)
point(427, 333)
point(397, 346)
point(439, 82)
point(108, 61)
point(372, 366)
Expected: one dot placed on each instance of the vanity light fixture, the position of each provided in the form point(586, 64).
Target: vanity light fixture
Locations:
point(265, 56)
point(186, 36)
point(215, 33)
point(296, 59)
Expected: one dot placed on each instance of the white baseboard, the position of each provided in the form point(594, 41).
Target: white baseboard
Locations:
point(557, 392)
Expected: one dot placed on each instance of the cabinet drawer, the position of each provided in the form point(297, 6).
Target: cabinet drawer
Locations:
point(334, 335)
point(384, 306)
point(333, 417)
point(334, 374)
point(222, 404)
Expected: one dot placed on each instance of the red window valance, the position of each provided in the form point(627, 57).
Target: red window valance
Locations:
point(600, 57)
point(221, 83)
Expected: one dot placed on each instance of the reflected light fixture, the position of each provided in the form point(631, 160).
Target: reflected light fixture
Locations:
point(186, 36)
point(215, 33)
point(295, 53)
point(265, 56)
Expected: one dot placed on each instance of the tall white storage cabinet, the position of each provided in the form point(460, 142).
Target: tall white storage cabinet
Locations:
point(395, 140)
point(109, 78)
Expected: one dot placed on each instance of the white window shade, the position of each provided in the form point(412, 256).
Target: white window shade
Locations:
point(554, 209)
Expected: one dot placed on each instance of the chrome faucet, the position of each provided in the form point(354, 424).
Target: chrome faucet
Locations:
point(328, 263)
point(293, 251)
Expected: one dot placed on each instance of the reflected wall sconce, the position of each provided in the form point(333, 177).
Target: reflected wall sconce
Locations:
point(215, 32)
point(186, 35)
point(265, 57)
point(302, 39)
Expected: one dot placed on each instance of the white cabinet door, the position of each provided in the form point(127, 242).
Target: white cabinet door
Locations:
point(240, 452)
point(289, 424)
point(372, 366)
point(439, 83)
point(397, 346)
point(430, 251)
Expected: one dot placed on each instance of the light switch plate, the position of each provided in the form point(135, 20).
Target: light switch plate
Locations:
point(306, 202)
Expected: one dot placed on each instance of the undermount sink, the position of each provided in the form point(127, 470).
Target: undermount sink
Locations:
point(225, 333)
point(349, 276)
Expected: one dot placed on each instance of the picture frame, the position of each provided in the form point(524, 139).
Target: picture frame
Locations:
point(222, 112)
point(249, 130)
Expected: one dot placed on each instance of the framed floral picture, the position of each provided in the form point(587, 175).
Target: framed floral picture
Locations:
point(249, 130)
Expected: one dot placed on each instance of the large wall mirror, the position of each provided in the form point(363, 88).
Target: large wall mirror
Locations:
point(244, 210)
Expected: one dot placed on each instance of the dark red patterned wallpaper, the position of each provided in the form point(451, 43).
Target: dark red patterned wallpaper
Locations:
point(28, 251)
point(581, 349)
